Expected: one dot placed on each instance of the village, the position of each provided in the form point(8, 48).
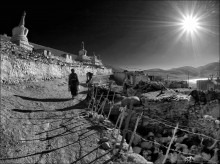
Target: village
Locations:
point(136, 117)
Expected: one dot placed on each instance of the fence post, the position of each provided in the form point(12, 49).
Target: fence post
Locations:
point(119, 117)
point(126, 125)
point(122, 118)
point(92, 95)
point(172, 139)
point(103, 105)
point(94, 99)
point(98, 102)
point(111, 106)
point(113, 130)
point(134, 132)
point(108, 91)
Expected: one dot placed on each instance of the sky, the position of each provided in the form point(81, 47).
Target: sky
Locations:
point(135, 35)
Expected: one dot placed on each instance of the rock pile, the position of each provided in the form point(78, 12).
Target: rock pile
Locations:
point(149, 86)
point(198, 144)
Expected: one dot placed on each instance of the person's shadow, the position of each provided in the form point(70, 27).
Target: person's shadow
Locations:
point(80, 105)
point(44, 100)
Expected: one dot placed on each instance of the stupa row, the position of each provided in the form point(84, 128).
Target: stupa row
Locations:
point(19, 37)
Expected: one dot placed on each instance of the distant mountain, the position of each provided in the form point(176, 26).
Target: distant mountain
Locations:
point(156, 70)
point(184, 72)
point(114, 68)
point(211, 68)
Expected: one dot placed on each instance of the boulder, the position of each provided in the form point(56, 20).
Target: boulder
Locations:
point(115, 133)
point(130, 100)
point(101, 118)
point(115, 151)
point(106, 146)
point(147, 154)
point(198, 158)
point(206, 156)
point(146, 145)
point(150, 134)
point(108, 123)
point(124, 147)
point(119, 139)
point(104, 139)
point(136, 139)
point(159, 159)
point(137, 149)
point(137, 159)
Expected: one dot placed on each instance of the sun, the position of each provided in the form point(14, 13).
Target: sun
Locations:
point(190, 24)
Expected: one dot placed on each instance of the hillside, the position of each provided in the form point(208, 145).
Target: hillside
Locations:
point(180, 72)
point(184, 72)
point(211, 68)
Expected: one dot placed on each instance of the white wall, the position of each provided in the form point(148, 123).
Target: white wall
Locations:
point(18, 70)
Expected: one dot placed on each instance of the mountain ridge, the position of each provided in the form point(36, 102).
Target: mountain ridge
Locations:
point(185, 71)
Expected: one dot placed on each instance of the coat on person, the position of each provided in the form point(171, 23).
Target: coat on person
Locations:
point(73, 83)
point(89, 76)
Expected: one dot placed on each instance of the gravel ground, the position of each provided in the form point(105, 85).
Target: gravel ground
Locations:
point(40, 123)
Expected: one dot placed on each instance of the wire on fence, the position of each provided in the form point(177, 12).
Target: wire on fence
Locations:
point(121, 116)
point(182, 129)
point(180, 152)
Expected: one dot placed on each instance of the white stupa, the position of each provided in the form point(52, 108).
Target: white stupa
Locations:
point(83, 54)
point(19, 35)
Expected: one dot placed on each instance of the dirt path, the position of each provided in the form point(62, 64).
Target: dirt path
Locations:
point(41, 124)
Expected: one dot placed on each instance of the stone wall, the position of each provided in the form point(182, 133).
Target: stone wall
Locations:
point(19, 66)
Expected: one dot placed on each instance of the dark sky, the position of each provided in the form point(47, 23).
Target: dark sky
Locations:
point(130, 34)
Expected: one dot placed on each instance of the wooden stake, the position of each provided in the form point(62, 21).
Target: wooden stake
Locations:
point(134, 132)
point(94, 98)
point(122, 118)
point(110, 110)
point(103, 105)
point(126, 126)
point(119, 117)
point(90, 102)
point(111, 106)
point(96, 107)
point(172, 139)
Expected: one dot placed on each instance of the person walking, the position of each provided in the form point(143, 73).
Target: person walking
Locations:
point(73, 83)
point(89, 76)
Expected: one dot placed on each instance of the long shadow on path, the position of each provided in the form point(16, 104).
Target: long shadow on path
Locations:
point(27, 111)
point(44, 100)
point(80, 105)
point(46, 151)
